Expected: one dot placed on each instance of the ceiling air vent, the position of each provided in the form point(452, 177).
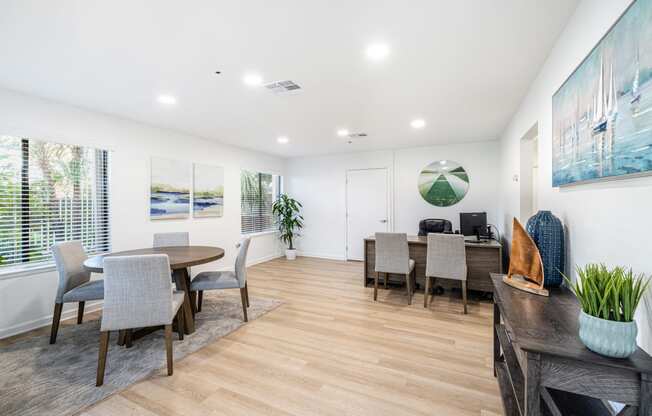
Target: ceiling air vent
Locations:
point(283, 87)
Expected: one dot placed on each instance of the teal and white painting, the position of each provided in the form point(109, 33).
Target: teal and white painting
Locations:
point(208, 191)
point(443, 183)
point(602, 114)
point(170, 189)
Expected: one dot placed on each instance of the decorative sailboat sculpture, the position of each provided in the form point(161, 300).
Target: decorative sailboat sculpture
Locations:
point(525, 267)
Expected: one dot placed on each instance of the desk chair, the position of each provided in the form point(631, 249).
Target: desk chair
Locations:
point(75, 283)
point(138, 294)
point(392, 256)
point(446, 259)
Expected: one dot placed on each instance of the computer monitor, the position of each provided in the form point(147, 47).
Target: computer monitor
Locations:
point(473, 223)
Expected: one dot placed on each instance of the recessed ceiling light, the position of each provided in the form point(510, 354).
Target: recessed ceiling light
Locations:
point(252, 80)
point(167, 99)
point(377, 51)
point(418, 123)
point(282, 140)
point(343, 132)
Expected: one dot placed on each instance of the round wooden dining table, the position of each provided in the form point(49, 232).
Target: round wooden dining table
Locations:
point(181, 257)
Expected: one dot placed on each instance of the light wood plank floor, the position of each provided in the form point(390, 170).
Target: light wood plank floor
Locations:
point(330, 350)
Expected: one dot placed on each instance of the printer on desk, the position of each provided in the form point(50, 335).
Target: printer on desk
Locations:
point(434, 225)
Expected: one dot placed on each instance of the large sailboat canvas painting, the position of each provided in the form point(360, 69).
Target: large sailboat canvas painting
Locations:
point(602, 114)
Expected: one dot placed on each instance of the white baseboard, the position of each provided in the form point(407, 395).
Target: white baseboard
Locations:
point(320, 255)
point(47, 320)
point(264, 259)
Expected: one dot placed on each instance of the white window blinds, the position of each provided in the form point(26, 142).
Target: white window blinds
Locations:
point(258, 192)
point(50, 192)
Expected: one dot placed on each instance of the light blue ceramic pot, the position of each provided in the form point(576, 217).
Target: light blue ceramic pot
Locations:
point(610, 338)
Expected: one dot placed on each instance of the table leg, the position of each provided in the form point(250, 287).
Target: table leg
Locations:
point(182, 281)
point(193, 295)
point(645, 407)
point(496, 341)
point(532, 384)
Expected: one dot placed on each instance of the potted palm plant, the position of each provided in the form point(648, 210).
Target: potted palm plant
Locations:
point(288, 216)
point(608, 299)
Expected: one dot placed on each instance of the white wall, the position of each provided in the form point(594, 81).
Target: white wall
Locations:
point(609, 221)
point(27, 301)
point(319, 183)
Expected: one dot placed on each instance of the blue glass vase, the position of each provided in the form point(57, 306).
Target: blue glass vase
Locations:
point(548, 234)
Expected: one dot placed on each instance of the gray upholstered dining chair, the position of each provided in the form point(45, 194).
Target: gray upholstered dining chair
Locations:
point(393, 256)
point(171, 239)
point(446, 259)
point(138, 293)
point(75, 283)
point(236, 279)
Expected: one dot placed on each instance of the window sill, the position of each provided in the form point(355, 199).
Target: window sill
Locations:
point(259, 234)
point(20, 271)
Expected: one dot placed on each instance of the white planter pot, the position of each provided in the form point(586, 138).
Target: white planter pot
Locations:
point(290, 254)
point(610, 338)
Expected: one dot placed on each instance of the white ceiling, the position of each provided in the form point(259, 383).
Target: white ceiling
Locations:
point(462, 65)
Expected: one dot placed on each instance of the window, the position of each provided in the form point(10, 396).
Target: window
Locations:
point(258, 192)
point(50, 192)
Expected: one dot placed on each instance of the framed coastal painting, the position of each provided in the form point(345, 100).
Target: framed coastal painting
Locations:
point(208, 191)
point(443, 183)
point(170, 189)
point(602, 114)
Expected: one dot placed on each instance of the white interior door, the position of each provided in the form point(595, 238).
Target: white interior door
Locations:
point(367, 209)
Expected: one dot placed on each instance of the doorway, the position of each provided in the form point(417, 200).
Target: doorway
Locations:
point(367, 208)
point(529, 175)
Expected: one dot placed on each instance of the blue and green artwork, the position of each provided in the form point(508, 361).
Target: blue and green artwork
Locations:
point(443, 183)
point(170, 189)
point(602, 114)
point(208, 191)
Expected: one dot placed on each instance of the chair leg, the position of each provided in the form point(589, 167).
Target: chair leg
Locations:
point(168, 347)
point(385, 275)
point(376, 287)
point(200, 299)
point(425, 292)
point(247, 293)
point(180, 322)
point(129, 338)
point(464, 295)
point(101, 359)
point(408, 280)
point(80, 312)
point(56, 317)
point(243, 297)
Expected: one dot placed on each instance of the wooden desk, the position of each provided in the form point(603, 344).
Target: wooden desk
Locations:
point(481, 259)
point(539, 359)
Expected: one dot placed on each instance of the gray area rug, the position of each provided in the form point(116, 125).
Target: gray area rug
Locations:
point(37, 378)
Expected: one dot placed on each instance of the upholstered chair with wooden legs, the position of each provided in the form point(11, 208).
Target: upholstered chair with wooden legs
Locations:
point(75, 283)
point(236, 279)
point(171, 239)
point(445, 259)
point(138, 294)
point(392, 256)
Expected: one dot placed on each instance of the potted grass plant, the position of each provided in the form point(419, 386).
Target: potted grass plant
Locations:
point(288, 216)
point(608, 299)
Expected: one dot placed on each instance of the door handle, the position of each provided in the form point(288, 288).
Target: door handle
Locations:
point(383, 221)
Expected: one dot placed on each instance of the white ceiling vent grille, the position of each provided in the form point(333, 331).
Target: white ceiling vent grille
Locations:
point(283, 87)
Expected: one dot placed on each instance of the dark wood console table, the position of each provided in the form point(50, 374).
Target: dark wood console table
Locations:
point(481, 259)
point(544, 369)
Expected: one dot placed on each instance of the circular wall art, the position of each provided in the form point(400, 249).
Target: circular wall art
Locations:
point(443, 183)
